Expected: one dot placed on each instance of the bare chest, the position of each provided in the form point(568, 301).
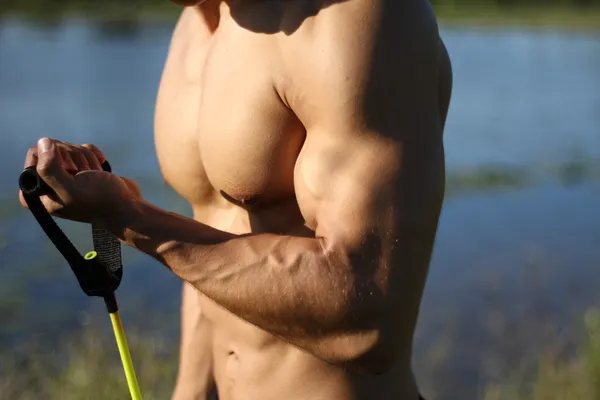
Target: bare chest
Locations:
point(221, 130)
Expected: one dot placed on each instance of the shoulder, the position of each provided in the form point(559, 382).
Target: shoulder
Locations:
point(365, 24)
point(362, 53)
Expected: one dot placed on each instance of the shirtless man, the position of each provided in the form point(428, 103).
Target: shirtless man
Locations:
point(307, 137)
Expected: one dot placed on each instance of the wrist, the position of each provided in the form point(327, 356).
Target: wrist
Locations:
point(123, 215)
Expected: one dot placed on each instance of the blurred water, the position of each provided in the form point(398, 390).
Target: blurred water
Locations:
point(523, 150)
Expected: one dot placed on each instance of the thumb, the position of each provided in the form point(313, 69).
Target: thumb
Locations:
point(50, 168)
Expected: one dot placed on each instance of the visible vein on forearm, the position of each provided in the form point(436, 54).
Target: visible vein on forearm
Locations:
point(283, 284)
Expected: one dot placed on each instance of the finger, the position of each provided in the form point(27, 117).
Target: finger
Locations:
point(22, 200)
point(50, 203)
point(53, 205)
point(68, 161)
point(78, 158)
point(91, 158)
point(72, 162)
point(71, 154)
point(31, 158)
point(51, 168)
point(99, 155)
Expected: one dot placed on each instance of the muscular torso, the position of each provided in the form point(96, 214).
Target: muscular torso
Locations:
point(227, 143)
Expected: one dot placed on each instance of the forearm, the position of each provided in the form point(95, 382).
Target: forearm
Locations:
point(289, 286)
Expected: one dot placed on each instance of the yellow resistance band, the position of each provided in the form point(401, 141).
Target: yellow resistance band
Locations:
point(132, 382)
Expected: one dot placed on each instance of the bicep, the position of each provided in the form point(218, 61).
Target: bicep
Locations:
point(349, 185)
point(373, 158)
point(371, 188)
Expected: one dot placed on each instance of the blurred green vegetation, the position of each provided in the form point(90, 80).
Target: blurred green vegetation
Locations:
point(577, 377)
point(87, 366)
point(566, 13)
point(117, 10)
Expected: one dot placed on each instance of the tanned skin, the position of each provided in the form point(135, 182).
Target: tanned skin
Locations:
point(307, 136)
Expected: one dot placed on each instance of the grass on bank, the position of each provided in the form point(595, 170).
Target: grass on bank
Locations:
point(572, 18)
point(577, 378)
point(89, 368)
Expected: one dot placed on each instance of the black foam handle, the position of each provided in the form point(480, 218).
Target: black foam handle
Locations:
point(97, 276)
point(32, 185)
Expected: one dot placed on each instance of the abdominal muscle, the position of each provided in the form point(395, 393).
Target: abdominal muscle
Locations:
point(250, 363)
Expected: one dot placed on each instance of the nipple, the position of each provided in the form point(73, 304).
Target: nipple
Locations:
point(242, 201)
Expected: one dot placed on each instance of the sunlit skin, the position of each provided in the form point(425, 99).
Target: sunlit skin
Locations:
point(307, 138)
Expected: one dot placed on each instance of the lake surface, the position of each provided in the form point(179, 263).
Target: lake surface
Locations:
point(517, 248)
